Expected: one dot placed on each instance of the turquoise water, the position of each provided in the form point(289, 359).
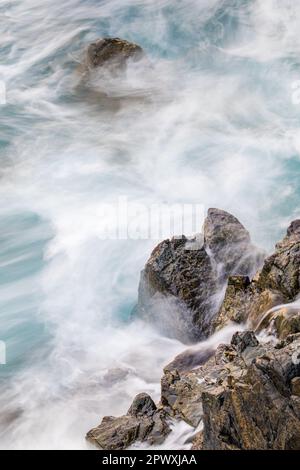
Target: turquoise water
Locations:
point(24, 237)
point(213, 121)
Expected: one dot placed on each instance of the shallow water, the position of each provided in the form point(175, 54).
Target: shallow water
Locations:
point(213, 120)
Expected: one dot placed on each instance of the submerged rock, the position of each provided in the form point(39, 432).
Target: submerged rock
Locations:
point(115, 375)
point(190, 359)
point(113, 52)
point(102, 79)
point(180, 285)
point(143, 422)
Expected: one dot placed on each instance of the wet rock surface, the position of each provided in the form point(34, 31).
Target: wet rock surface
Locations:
point(112, 52)
point(275, 284)
point(281, 322)
point(229, 244)
point(245, 302)
point(246, 394)
point(190, 359)
point(176, 290)
point(143, 422)
point(180, 285)
point(281, 271)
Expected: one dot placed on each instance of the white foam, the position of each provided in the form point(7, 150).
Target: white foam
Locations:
point(199, 127)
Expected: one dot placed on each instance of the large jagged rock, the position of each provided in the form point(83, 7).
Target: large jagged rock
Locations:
point(281, 271)
point(229, 243)
point(277, 283)
point(112, 52)
point(143, 422)
point(256, 408)
point(247, 396)
point(180, 286)
point(177, 289)
point(245, 302)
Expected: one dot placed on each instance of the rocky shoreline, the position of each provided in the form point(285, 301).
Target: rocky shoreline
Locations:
point(246, 394)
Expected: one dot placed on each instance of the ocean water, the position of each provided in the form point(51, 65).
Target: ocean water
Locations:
point(212, 118)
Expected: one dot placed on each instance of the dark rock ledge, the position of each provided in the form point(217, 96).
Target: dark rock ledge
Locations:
point(246, 393)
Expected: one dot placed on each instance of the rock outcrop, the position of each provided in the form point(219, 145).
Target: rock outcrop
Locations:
point(229, 244)
point(177, 289)
point(112, 52)
point(180, 286)
point(245, 302)
point(277, 283)
point(281, 271)
point(246, 394)
point(143, 422)
point(255, 402)
point(281, 322)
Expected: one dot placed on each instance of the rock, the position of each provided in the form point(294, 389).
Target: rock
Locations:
point(243, 340)
point(281, 271)
point(115, 375)
point(190, 359)
point(142, 405)
point(181, 396)
point(198, 441)
point(277, 283)
point(113, 52)
point(243, 303)
point(115, 433)
point(176, 289)
point(235, 306)
point(246, 396)
point(143, 422)
point(229, 243)
point(257, 411)
point(282, 322)
point(180, 287)
point(295, 386)
point(288, 340)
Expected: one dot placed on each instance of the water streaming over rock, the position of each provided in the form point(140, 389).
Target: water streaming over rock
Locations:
point(211, 118)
